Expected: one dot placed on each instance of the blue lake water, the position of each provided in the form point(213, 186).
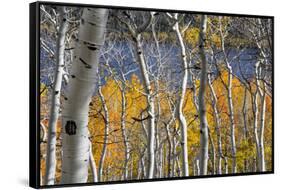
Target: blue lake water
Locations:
point(121, 58)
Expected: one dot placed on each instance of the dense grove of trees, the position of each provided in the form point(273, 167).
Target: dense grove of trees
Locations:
point(142, 95)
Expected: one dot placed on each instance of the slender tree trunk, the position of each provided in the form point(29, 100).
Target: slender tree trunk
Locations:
point(232, 124)
point(124, 133)
point(169, 146)
point(43, 133)
point(158, 149)
point(180, 115)
point(257, 35)
point(179, 172)
point(245, 136)
point(55, 104)
point(201, 98)
point(196, 166)
point(244, 111)
point(217, 126)
point(213, 151)
point(143, 167)
point(151, 108)
point(106, 133)
point(174, 146)
point(230, 103)
point(261, 135)
point(93, 165)
point(122, 88)
point(160, 161)
point(255, 125)
point(225, 165)
point(75, 142)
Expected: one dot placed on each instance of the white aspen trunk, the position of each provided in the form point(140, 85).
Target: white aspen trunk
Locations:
point(201, 97)
point(93, 165)
point(106, 133)
point(213, 150)
point(255, 125)
point(132, 171)
point(194, 168)
point(43, 133)
point(157, 148)
point(150, 99)
point(75, 142)
point(230, 103)
point(179, 173)
point(122, 88)
point(158, 152)
point(254, 168)
point(217, 126)
point(55, 102)
point(174, 147)
point(244, 111)
point(169, 146)
point(180, 115)
point(150, 109)
point(143, 167)
point(261, 135)
point(161, 161)
point(262, 93)
point(124, 133)
point(139, 169)
point(245, 136)
point(232, 124)
point(225, 165)
point(197, 166)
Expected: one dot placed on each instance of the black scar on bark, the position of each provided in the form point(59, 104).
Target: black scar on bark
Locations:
point(87, 66)
point(139, 52)
point(92, 48)
point(70, 127)
point(64, 19)
point(91, 23)
point(65, 98)
point(82, 21)
point(72, 76)
point(201, 131)
point(56, 92)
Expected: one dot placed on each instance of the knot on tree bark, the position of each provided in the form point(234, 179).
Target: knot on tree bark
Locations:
point(70, 127)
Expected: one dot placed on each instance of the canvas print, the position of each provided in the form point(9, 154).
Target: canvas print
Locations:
point(130, 94)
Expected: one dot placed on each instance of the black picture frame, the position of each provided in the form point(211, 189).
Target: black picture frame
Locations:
point(34, 93)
